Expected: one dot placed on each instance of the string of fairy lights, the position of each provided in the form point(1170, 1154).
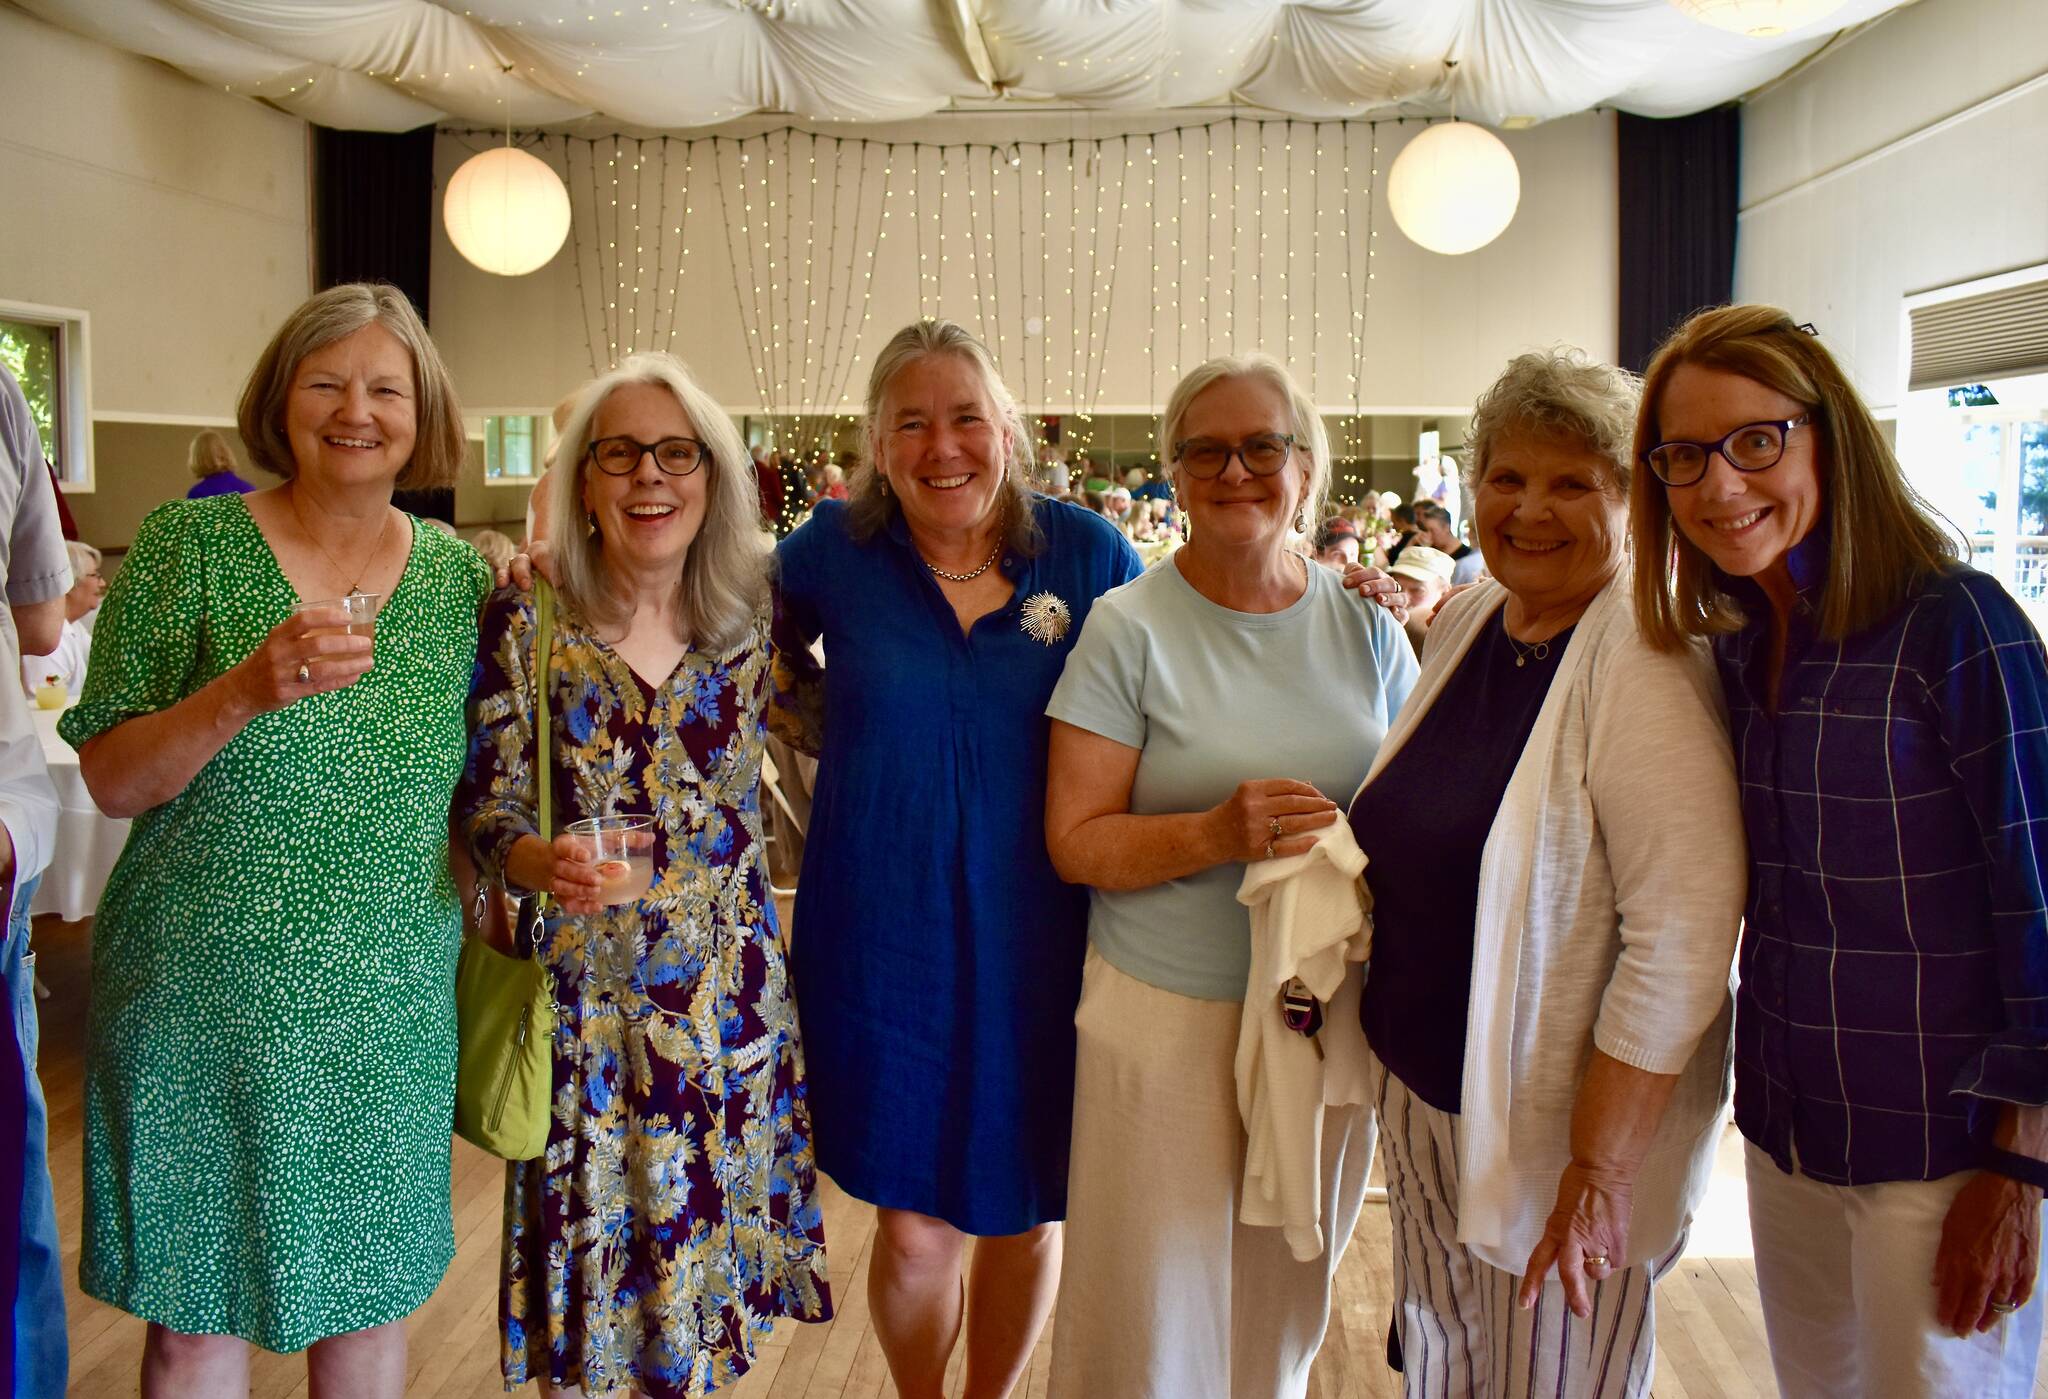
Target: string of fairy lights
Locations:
point(806, 217)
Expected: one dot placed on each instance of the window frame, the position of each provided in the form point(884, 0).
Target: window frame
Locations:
point(543, 440)
point(73, 426)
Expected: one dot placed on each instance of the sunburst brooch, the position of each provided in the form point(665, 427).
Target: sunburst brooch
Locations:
point(1046, 618)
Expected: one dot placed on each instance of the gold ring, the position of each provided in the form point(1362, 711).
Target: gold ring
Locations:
point(1273, 827)
point(1596, 1260)
point(305, 674)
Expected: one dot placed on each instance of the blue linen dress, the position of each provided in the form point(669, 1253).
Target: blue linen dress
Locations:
point(936, 955)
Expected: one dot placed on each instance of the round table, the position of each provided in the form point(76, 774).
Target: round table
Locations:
point(88, 842)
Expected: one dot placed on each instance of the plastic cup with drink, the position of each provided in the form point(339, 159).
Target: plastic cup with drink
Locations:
point(622, 848)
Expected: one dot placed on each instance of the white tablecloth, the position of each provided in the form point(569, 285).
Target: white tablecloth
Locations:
point(88, 843)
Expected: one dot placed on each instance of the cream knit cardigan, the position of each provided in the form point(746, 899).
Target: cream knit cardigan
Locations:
point(1610, 896)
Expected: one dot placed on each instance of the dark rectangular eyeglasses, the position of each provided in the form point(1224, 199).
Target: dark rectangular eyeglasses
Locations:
point(620, 456)
point(1262, 454)
point(1751, 447)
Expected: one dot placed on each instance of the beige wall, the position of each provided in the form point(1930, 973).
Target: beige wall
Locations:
point(1439, 327)
point(175, 216)
point(1854, 196)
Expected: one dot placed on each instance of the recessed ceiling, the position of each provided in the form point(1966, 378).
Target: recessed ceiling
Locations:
point(391, 65)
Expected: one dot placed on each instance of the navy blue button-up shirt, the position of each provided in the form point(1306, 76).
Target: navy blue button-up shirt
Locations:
point(1894, 963)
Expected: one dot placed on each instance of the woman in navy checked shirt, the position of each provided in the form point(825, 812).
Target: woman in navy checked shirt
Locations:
point(1889, 711)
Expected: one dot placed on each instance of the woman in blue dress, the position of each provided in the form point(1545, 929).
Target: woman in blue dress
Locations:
point(936, 955)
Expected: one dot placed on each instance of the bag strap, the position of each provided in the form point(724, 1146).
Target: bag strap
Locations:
point(543, 657)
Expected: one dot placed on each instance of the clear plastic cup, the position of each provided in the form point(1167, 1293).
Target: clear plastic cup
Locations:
point(623, 850)
point(360, 607)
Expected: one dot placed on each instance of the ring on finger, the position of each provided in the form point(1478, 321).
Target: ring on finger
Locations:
point(1596, 1260)
point(305, 673)
point(1273, 827)
point(1269, 849)
point(2005, 1308)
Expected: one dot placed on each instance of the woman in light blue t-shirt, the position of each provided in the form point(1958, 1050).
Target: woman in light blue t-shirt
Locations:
point(1213, 713)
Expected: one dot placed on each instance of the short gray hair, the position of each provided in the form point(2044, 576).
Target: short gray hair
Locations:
point(83, 557)
point(724, 576)
point(1309, 433)
point(438, 448)
point(1561, 392)
point(868, 504)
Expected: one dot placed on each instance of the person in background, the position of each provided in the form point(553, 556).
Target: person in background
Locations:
point(270, 1048)
point(34, 1350)
point(1426, 575)
point(1185, 746)
point(834, 476)
point(1151, 484)
point(1434, 523)
point(1889, 706)
point(66, 666)
point(1403, 517)
point(767, 485)
point(496, 549)
point(1336, 544)
point(213, 465)
point(1116, 507)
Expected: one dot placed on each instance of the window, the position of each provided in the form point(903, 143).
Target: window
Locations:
point(513, 450)
point(1985, 467)
point(43, 347)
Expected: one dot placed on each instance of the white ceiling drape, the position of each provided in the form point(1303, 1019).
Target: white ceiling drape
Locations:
point(391, 65)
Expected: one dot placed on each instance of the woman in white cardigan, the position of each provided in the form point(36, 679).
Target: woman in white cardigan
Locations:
point(1547, 998)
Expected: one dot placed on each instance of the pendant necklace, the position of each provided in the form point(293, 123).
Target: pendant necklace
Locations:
point(355, 585)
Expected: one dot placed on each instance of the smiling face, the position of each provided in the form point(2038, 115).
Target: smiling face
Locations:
point(1552, 521)
point(1236, 508)
point(647, 518)
point(352, 413)
point(1744, 521)
point(941, 446)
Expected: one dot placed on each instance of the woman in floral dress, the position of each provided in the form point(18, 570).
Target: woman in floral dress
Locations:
point(674, 1213)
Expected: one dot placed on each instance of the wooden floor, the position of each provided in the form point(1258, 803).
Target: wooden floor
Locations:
point(1710, 1334)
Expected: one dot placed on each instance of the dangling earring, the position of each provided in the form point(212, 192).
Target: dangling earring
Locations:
point(589, 523)
point(883, 481)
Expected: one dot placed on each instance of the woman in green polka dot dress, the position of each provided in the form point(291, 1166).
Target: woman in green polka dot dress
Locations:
point(271, 1053)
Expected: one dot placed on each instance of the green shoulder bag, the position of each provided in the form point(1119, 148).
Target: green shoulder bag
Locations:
point(505, 1005)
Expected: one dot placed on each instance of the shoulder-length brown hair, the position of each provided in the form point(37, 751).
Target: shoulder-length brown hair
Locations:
point(869, 505)
point(332, 315)
point(1882, 535)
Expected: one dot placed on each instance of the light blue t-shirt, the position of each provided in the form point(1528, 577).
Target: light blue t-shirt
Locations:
point(1212, 698)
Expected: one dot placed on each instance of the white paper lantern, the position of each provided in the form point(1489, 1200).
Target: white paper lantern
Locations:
point(1454, 187)
point(1759, 19)
point(506, 211)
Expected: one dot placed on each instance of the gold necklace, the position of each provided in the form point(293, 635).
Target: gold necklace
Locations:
point(970, 577)
point(291, 496)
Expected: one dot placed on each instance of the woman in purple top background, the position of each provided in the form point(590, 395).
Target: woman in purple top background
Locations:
point(214, 464)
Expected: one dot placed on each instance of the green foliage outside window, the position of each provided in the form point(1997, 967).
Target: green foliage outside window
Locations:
point(30, 353)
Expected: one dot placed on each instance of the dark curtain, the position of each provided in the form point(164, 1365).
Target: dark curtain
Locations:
point(374, 211)
point(1678, 199)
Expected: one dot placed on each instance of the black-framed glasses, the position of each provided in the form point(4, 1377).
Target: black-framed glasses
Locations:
point(1751, 447)
point(620, 456)
point(1262, 454)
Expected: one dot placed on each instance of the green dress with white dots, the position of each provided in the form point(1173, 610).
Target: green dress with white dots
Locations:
point(270, 1075)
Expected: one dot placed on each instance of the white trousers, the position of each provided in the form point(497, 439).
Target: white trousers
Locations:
point(1846, 1277)
point(1163, 1294)
point(1461, 1331)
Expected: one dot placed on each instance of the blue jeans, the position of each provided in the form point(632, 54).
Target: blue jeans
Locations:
point(41, 1349)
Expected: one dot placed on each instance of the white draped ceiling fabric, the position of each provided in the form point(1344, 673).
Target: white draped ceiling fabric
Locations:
point(392, 65)
point(599, 89)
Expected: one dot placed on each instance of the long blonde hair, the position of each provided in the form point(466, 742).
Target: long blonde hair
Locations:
point(724, 576)
point(869, 506)
point(1883, 537)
